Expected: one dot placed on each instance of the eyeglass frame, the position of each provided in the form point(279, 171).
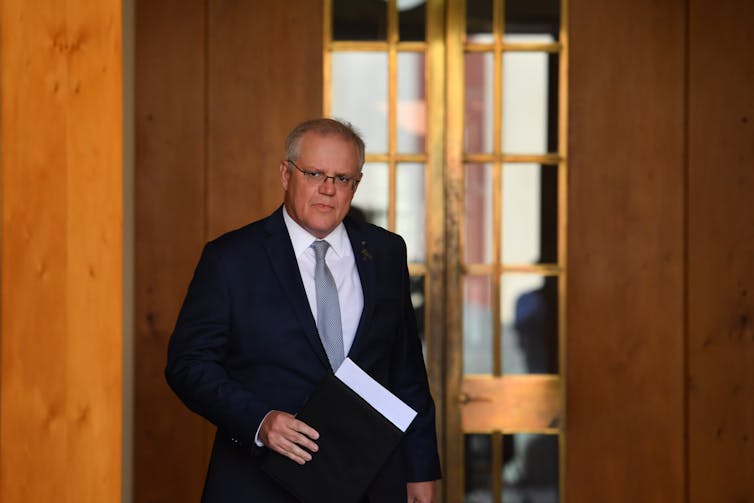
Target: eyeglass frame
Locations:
point(313, 176)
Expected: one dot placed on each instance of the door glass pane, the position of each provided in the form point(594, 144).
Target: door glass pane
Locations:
point(479, 20)
point(530, 213)
point(359, 20)
point(412, 105)
point(371, 199)
point(478, 219)
point(529, 311)
point(409, 209)
point(530, 468)
point(412, 17)
point(525, 16)
point(530, 91)
point(478, 465)
point(478, 102)
point(359, 94)
point(477, 325)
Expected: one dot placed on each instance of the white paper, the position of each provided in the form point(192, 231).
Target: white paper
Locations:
point(379, 397)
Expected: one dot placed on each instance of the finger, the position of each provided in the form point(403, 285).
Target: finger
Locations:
point(304, 429)
point(296, 453)
point(304, 441)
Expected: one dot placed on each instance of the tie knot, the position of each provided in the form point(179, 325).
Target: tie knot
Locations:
point(320, 249)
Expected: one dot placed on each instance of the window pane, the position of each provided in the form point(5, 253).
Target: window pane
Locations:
point(479, 20)
point(359, 94)
point(478, 102)
point(477, 325)
point(478, 219)
point(530, 469)
point(530, 213)
point(412, 104)
point(525, 16)
point(478, 465)
point(410, 211)
point(530, 91)
point(359, 20)
point(412, 18)
point(371, 199)
point(529, 311)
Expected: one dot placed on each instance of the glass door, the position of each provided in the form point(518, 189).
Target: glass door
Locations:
point(462, 105)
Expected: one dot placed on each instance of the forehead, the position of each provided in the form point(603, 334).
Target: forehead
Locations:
point(328, 151)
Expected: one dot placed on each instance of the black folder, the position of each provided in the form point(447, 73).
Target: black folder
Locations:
point(354, 442)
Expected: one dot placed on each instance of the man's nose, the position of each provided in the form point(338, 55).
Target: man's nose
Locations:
point(327, 186)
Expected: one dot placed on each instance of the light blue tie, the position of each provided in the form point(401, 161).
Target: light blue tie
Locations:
point(328, 308)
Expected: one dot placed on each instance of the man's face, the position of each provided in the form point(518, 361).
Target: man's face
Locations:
point(319, 207)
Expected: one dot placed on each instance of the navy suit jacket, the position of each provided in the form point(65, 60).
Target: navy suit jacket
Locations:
point(246, 343)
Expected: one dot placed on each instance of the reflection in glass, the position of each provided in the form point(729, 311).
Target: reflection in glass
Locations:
point(478, 19)
point(530, 89)
point(530, 213)
point(359, 94)
point(412, 18)
point(478, 102)
point(478, 216)
point(477, 325)
point(530, 468)
point(412, 104)
point(529, 312)
point(410, 211)
point(371, 199)
point(525, 16)
point(359, 20)
point(478, 466)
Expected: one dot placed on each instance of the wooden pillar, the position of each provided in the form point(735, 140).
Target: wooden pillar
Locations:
point(62, 181)
point(721, 252)
point(626, 251)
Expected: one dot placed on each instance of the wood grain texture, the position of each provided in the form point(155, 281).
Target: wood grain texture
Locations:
point(510, 404)
point(265, 76)
point(62, 249)
point(625, 346)
point(171, 444)
point(721, 252)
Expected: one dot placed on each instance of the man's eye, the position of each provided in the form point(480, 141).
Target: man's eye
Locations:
point(313, 174)
point(343, 179)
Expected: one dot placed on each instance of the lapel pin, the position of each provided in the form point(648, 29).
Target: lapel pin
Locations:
point(364, 252)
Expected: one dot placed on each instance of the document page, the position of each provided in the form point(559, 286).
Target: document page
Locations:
point(379, 397)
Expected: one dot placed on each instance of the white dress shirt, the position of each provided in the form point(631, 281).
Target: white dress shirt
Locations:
point(342, 265)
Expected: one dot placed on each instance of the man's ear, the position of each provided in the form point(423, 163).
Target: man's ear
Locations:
point(285, 174)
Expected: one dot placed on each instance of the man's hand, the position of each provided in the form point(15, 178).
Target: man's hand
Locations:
point(421, 492)
point(286, 435)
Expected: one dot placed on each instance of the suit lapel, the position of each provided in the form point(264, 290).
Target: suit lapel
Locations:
point(367, 275)
point(280, 252)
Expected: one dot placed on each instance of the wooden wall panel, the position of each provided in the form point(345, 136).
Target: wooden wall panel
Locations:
point(170, 443)
point(218, 86)
point(62, 183)
point(265, 68)
point(625, 351)
point(721, 251)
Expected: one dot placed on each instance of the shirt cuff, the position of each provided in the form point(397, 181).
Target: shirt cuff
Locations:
point(256, 436)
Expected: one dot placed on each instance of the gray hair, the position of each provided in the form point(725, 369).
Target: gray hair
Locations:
point(324, 126)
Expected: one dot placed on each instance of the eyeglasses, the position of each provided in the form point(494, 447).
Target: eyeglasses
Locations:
point(318, 178)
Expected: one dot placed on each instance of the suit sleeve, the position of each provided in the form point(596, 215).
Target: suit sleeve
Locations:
point(409, 380)
point(196, 352)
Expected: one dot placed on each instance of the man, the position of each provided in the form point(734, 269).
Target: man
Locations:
point(246, 351)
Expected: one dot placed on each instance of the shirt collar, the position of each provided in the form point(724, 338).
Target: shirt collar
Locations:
point(301, 239)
